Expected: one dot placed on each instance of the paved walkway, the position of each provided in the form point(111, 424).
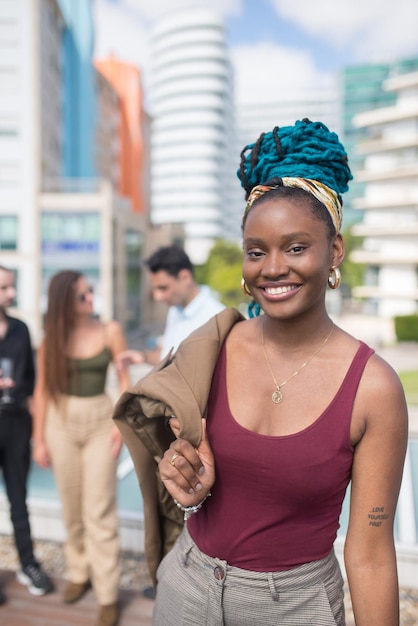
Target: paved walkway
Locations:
point(23, 609)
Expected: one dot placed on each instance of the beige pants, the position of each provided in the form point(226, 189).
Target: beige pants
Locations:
point(78, 439)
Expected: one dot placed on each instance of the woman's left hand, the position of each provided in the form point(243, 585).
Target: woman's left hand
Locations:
point(188, 472)
point(116, 442)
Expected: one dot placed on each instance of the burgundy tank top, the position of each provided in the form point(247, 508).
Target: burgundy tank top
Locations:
point(276, 501)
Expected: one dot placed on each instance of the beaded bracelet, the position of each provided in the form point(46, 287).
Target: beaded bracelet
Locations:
point(191, 510)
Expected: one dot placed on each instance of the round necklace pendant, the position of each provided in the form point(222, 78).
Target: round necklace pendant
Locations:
point(277, 395)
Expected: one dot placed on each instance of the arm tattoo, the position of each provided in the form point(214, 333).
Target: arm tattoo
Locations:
point(377, 516)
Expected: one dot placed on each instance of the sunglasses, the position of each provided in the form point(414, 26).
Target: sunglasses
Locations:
point(82, 297)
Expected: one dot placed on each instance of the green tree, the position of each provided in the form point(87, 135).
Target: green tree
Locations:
point(352, 273)
point(223, 271)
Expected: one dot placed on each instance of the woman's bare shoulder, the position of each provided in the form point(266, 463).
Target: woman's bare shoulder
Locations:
point(381, 398)
point(113, 326)
point(380, 376)
point(245, 330)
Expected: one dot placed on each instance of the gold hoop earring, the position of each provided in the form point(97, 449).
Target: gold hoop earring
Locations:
point(244, 288)
point(334, 278)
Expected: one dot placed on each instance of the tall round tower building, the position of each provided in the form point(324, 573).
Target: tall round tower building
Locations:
point(193, 151)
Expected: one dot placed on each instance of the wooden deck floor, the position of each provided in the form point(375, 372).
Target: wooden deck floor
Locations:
point(24, 609)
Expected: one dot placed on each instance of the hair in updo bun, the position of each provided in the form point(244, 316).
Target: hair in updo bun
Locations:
point(306, 150)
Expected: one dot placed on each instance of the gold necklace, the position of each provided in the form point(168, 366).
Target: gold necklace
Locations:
point(277, 395)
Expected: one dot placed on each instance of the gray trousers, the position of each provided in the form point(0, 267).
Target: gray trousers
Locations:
point(197, 590)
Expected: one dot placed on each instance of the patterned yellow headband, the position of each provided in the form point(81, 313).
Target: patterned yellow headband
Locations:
point(329, 198)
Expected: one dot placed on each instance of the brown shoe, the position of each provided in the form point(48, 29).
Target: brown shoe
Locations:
point(108, 615)
point(75, 591)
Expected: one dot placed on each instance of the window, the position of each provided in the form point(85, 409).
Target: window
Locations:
point(133, 250)
point(64, 228)
point(8, 232)
point(70, 241)
point(372, 276)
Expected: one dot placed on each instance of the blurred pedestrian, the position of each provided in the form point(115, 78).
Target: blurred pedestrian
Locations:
point(74, 434)
point(16, 387)
point(173, 282)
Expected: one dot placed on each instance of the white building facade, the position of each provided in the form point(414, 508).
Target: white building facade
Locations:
point(30, 134)
point(192, 132)
point(47, 222)
point(390, 203)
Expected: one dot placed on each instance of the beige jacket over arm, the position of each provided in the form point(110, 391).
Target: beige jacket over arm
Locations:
point(178, 386)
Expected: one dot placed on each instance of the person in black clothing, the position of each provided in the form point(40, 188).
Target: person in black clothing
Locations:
point(16, 388)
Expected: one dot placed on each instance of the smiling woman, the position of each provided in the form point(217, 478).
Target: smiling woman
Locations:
point(295, 410)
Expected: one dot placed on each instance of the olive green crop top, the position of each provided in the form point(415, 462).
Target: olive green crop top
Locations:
point(87, 377)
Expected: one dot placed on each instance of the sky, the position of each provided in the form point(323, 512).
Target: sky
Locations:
point(280, 49)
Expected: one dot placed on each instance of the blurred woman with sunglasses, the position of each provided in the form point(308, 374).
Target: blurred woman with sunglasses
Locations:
point(74, 434)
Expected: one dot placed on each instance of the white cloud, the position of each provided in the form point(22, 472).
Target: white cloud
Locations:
point(371, 29)
point(153, 9)
point(269, 73)
point(121, 32)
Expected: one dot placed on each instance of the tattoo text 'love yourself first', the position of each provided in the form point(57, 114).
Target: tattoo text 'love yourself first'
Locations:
point(377, 516)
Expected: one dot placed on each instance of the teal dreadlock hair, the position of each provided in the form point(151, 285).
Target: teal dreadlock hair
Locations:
point(305, 150)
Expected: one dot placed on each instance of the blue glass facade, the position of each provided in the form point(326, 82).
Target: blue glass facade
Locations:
point(79, 93)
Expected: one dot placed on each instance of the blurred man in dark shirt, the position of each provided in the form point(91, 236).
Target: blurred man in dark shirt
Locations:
point(17, 377)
